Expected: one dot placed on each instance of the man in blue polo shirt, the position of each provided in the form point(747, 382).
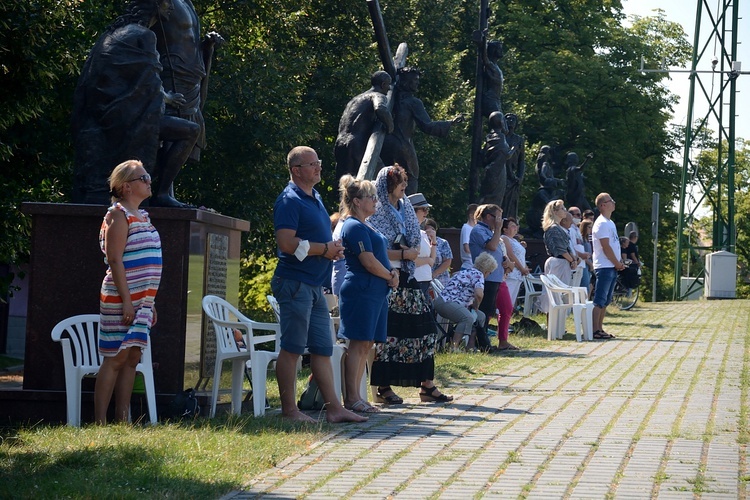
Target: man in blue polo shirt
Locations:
point(305, 251)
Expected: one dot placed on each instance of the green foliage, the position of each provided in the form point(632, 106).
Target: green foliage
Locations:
point(255, 283)
point(288, 68)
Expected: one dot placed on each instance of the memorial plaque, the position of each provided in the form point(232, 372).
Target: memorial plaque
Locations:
point(214, 283)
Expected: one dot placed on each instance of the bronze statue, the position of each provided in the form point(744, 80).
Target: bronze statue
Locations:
point(496, 154)
point(357, 123)
point(549, 189)
point(515, 165)
point(118, 109)
point(492, 51)
point(575, 194)
point(408, 113)
point(186, 61)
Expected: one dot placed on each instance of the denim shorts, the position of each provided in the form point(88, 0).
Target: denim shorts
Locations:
point(606, 277)
point(304, 318)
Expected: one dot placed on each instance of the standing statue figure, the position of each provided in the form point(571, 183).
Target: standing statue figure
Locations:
point(408, 113)
point(575, 195)
point(496, 154)
point(118, 108)
point(186, 61)
point(549, 189)
point(493, 79)
point(516, 167)
point(357, 123)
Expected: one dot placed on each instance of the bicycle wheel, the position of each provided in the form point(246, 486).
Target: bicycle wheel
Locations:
point(625, 298)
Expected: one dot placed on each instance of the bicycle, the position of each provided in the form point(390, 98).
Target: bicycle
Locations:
point(625, 297)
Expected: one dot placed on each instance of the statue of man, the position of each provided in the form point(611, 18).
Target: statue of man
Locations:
point(492, 51)
point(118, 108)
point(357, 123)
point(496, 154)
point(516, 167)
point(575, 195)
point(408, 113)
point(186, 61)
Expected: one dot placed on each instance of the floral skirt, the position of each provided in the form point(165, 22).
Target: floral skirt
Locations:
point(407, 358)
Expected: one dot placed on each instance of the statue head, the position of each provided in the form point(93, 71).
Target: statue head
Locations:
point(408, 79)
point(512, 120)
point(544, 152)
point(495, 49)
point(495, 120)
point(571, 159)
point(381, 81)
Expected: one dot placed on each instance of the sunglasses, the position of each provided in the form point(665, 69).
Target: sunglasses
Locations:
point(144, 178)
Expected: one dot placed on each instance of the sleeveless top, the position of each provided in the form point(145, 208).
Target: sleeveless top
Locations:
point(142, 259)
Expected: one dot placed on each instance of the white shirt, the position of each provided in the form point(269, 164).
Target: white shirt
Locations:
point(604, 229)
point(466, 262)
point(576, 242)
point(424, 273)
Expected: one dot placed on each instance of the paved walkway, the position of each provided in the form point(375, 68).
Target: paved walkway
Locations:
point(658, 413)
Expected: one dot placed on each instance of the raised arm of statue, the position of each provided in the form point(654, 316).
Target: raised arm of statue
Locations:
point(208, 46)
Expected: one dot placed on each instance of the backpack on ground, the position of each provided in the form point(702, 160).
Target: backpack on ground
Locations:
point(311, 398)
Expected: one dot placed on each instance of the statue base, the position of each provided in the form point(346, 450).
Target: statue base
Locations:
point(66, 271)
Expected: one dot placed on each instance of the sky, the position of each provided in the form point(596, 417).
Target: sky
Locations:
point(684, 12)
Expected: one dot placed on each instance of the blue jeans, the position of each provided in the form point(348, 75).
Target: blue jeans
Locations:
point(304, 317)
point(606, 277)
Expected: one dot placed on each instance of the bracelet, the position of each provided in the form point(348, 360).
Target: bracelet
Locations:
point(402, 254)
point(325, 250)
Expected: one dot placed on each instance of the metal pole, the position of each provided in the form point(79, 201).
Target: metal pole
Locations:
point(655, 237)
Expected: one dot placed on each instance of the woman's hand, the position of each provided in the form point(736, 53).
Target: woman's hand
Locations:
point(393, 281)
point(411, 253)
point(128, 313)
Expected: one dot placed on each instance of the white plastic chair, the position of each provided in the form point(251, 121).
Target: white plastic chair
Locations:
point(337, 358)
point(79, 337)
point(226, 318)
point(532, 287)
point(563, 298)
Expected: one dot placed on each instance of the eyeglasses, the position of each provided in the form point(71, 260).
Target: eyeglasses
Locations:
point(575, 214)
point(316, 163)
point(144, 178)
point(493, 216)
point(372, 197)
point(613, 201)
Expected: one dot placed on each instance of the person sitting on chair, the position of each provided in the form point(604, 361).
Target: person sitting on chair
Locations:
point(459, 301)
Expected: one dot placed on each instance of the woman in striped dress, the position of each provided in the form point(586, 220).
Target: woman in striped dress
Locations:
point(132, 250)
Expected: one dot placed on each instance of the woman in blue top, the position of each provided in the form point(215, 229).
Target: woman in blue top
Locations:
point(364, 292)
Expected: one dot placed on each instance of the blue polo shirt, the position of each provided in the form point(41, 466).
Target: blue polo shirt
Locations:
point(480, 235)
point(308, 217)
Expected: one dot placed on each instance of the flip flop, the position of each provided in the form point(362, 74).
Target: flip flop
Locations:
point(362, 406)
point(602, 335)
point(508, 348)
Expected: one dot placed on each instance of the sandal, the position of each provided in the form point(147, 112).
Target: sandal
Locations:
point(362, 406)
point(391, 399)
point(602, 335)
point(427, 395)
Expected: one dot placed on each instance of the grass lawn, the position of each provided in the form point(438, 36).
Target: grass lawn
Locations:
point(204, 458)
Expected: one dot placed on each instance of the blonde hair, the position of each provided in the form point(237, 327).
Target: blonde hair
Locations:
point(485, 263)
point(119, 176)
point(350, 188)
point(550, 215)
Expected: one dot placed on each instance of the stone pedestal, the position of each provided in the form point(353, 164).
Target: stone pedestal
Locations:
point(67, 268)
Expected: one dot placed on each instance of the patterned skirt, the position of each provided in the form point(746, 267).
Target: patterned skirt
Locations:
point(407, 358)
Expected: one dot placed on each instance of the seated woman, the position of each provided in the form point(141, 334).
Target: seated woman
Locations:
point(459, 301)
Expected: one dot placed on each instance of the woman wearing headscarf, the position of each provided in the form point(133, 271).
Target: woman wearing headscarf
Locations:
point(407, 358)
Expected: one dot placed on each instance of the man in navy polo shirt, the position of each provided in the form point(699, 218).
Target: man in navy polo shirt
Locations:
point(305, 251)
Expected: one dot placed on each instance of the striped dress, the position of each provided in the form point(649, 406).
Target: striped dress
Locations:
point(142, 261)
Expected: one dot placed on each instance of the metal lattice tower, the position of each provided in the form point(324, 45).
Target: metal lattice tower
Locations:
point(713, 81)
